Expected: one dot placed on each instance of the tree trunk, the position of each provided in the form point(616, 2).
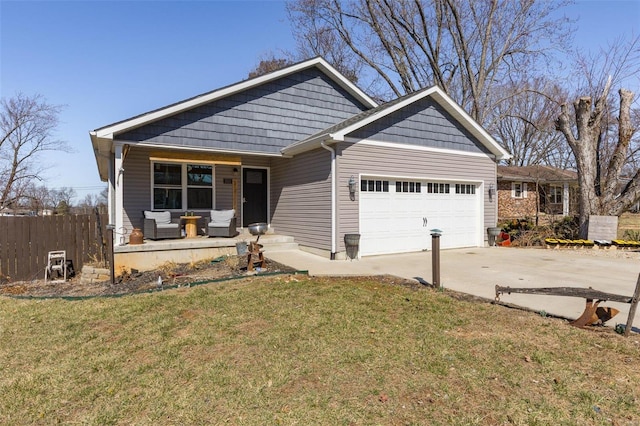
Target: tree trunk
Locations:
point(596, 196)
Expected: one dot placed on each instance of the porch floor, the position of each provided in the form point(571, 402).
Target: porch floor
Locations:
point(269, 240)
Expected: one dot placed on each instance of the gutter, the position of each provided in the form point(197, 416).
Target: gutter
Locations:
point(333, 198)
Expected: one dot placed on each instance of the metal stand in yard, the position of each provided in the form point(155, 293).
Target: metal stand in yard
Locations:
point(435, 257)
point(593, 299)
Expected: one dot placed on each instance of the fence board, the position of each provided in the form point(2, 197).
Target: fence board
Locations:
point(26, 241)
point(4, 251)
point(22, 247)
point(11, 249)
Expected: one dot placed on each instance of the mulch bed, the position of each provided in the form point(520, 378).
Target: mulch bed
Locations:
point(172, 275)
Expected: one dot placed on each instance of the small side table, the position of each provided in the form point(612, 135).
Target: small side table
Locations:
point(191, 225)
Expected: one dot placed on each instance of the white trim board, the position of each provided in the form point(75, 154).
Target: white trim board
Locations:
point(396, 145)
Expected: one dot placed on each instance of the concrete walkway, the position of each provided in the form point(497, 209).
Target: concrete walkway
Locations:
point(477, 271)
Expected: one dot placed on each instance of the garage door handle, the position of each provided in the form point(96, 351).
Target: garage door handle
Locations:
point(424, 222)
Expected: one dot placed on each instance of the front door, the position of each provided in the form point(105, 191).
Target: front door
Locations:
point(254, 196)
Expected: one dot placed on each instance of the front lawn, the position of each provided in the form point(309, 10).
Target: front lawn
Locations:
point(298, 350)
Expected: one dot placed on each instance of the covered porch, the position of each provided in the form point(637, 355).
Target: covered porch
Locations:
point(184, 184)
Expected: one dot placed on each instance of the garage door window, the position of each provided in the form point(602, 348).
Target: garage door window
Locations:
point(438, 188)
point(402, 186)
point(368, 185)
point(465, 189)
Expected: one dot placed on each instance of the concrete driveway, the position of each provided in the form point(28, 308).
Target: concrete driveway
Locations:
point(477, 271)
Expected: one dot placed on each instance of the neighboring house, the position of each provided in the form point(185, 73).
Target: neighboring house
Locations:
point(535, 191)
point(306, 151)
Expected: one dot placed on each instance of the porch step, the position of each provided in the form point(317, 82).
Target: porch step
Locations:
point(273, 242)
point(273, 248)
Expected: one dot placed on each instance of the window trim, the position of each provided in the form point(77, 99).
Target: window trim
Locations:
point(184, 185)
point(523, 190)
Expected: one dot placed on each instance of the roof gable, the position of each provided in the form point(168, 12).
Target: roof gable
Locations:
point(103, 138)
point(148, 117)
point(367, 118)
point(262, 119)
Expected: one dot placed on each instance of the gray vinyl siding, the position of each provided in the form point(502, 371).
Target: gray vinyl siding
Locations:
point(224, 191)
point(301, 198)
point(424, 123)
point(137, 187)
point(357, 159)
point(261, 119)
point(136, 181)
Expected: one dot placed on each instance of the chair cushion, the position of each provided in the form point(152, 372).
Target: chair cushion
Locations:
point(221, 217)
point(167, 225)
point(161, 218)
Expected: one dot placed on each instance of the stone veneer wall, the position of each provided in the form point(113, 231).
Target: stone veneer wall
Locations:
point(516, 208)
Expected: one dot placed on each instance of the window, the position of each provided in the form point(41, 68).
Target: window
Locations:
point(179, 186)
point(408, 186)
point(518, 190)
point(167, 186)
point(462, 188)
point(438, 188)
point(374, 185)
point(199, 187)
point(555, 194)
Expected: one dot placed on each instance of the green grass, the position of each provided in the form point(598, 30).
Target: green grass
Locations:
point(298, 350)
point(629, 224)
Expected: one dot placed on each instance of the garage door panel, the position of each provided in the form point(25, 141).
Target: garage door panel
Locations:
point(393, 222)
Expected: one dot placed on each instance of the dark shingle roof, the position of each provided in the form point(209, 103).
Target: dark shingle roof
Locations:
point(536, 173)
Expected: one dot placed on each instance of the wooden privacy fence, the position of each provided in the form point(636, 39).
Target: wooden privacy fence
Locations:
point(26, 241)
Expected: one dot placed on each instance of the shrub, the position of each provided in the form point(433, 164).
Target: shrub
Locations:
point(516, 227)
point(533, 237)
point(632, 234)
point(567, 228)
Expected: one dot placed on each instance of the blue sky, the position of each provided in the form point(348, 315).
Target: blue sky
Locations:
point(110, 60)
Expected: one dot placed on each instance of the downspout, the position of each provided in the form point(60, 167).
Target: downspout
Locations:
point(333, 199)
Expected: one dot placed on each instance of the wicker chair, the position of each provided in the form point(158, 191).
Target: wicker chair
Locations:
point(158, 225)
point(222, 224)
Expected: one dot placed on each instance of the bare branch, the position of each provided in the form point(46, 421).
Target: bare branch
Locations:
point(27, 125)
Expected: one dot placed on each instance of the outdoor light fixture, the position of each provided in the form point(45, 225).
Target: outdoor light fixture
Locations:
point(492, 192)
point(235, 171)
point(353, 184)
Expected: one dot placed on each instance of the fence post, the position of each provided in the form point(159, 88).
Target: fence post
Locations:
point(110, 228)
point(632, 308)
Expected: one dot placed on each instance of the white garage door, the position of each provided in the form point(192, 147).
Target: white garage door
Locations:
point(397, 215)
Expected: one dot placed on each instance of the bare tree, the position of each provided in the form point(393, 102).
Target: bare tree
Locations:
point(37, 198)
point(92, 202)
point(599, 191)
point(27, 125)
point(315, 37)
point(465, 47)
point(62, 199)
point(269, 64)
point(524, 123)
point(602, 135)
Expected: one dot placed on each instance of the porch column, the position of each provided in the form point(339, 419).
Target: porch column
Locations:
point(118, 173)
point(565, 199)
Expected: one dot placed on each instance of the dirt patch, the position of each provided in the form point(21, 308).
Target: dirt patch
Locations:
point(170, 274)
